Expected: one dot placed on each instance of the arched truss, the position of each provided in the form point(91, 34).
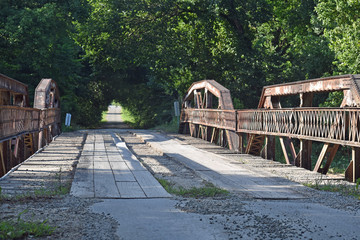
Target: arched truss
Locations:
point(201, 94)
point(209, 106)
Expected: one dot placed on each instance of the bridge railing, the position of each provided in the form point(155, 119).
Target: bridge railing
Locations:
point(329, 125)
point(332, 125)
point(18, 120)
point(50, 116)
point(224, 119)
point(24, 130)
point(253, 131)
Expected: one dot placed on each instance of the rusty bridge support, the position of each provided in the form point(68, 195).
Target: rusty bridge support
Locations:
point(331, 126)
point(23, 130)
point(47, 99)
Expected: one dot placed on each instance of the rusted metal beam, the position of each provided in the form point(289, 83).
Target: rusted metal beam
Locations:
point(219, 91)
point(12, 85)
point(47, 95)
point(197, 112)
point(332, 126)
point(15, 120)
point(19, 124)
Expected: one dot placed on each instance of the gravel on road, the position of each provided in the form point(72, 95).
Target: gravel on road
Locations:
point(240, 216)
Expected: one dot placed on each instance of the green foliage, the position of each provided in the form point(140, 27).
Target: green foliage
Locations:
point(334, 100)
point(36, 41)
point(339, 21)
point(209, 191)
point(103, 117)
point(170, 127)
point(10, 229)
point(127, 117)
point(341, 188)
point(145, 54)
point(41, 193)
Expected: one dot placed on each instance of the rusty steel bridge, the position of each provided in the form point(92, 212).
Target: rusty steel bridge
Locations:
point(24, 130)
point(208, 113)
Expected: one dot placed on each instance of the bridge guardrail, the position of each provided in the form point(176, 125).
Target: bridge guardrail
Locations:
point(331, 125)
point(15, 120)
point(225, 119)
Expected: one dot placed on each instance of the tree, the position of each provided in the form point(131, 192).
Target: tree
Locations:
point(340, 21)
point(36, 41)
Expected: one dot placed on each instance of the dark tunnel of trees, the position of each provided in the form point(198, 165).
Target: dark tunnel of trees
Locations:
point(144, 54)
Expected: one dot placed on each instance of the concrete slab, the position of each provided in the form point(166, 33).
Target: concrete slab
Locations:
point(130, 190)
point(219, 170)
point(104, 182)
point(83, 183)
point(157, 219)
point(122, 172)
point(150, 185)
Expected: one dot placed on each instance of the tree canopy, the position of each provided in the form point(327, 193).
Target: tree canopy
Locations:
point(146, 53)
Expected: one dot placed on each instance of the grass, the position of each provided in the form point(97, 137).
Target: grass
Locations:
point(11, 229)
point(71, 128)
point(37, 194)
point(127, 117)
point(171, 127)
point(209, 191)
point(43, 193)
point(59, 189)
point(103, 117)
point(20, 229)
point(347, 190)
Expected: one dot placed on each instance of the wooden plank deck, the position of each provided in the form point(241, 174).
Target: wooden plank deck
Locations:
point(110, 170)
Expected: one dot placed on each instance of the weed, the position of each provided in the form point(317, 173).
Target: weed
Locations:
point(347, 190)
point(357, 184)
point(103, 117)
point(71, 128)
point(57, 190)
point(208, 191)
point(171, 127)
point(11, 229)
point(44, 193)
point(127, 117)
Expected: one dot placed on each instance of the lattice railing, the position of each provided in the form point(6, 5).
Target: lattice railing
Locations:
point(333, 125)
